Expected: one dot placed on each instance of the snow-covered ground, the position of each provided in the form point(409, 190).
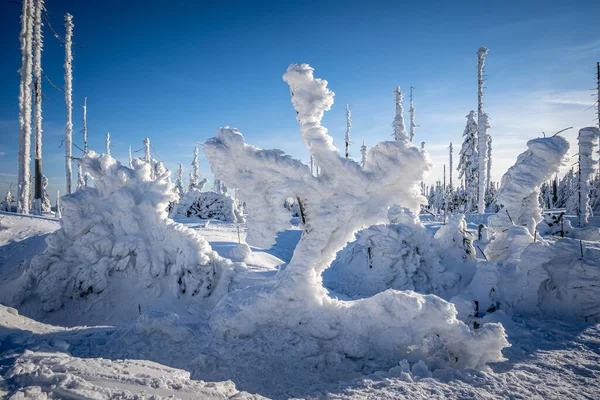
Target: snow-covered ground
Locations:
point(162, 354)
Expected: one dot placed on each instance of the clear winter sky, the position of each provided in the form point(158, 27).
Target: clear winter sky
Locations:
point(175, 71)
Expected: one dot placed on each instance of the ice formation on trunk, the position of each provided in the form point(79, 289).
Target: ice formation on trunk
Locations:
point(147, 157)
point(391, 325)
point(58, 206)
point(482, 125)
point(46, 204)
point(130, 158)
point(398, 124)
point(514, 225)
point(116, 238)
point(411, 110)
point(68, 99)
point(348, 127)
point(588, 138)
point(25, 99)
point(80, 181)
point(37, 73)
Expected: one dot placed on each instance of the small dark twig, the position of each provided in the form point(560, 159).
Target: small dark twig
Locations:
point(566, 129)
point(484, 256)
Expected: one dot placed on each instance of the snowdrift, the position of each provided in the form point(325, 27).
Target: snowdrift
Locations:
point(209, 205)
point(116, 240)
point(386, 328)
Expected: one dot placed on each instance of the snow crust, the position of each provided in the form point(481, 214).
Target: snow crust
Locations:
point(116, 240)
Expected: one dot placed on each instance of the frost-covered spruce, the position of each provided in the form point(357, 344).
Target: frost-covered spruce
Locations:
point(117, 240)
point(209, 205)
point(468, 163)
point(108, 143)
point(398, 124)
point(25, 104)
point(6, 204)
point(482, 140)
point(363, 154)
point(513, 226)
point(348, 128)
point(588, 138)
point(334, 205)
point(179, 182)
point(195, 175)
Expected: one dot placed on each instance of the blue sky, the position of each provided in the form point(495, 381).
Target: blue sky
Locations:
point(176, 71)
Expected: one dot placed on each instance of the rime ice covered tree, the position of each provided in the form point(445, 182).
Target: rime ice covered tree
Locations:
point(341, 200)
point(179, 182)
point(6, 204)
point(468, 163)
point(482, 126)
point(68, 99)
point(348, 127)
point(363, 154)
point(587, 138)
point(195, 175)
point(411, 110)
point(25, 104)
point(398, 124)
point(108, 143)
point(37, 73)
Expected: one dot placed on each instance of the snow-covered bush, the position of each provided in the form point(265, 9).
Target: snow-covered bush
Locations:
point(116, 239)
point(387, 327)
point(513, 226)
point(6, 204)
point(554, 225)
point(209, 205)
point(404, 256)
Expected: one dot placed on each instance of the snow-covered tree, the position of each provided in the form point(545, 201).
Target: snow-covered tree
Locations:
point(482, 125)
point(513, 226)
point(179, 182)
point(25, 104)
point(68, 99)
point(195, 175)
point(348, 127)
point(411, 110)
point(488, 175)
point(46, 204)
point(6, 204)
point(37, 73)
point(398, 124)
point(80, 180)
point(147, 157)
point(468, 164)
point(334, 205)
point(108, 143)
point(587, 138)
point(130, 158)
point(85, 135)
point(58, 212)
point(363, 154)
point(450, 150)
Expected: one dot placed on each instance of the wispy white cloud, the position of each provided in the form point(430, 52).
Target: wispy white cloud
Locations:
point(2, 153)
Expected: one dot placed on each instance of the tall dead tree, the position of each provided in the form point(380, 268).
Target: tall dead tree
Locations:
point(25, 99)
point(68, 99)
point(37, 72)
point(412, 116)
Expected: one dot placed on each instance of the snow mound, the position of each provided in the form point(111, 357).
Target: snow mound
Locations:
point(209, 205)
point(240, 252)
point(344, 198)
point(41, 375)
point(116, 236)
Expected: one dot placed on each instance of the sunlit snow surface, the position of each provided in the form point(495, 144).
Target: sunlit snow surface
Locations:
point(548, 358)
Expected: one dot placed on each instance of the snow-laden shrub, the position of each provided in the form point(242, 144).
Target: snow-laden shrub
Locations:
point(344, 198)
point(554, 225)
point(117, 236)
point(209, 205)
point(402, 255)
point(531, 275)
